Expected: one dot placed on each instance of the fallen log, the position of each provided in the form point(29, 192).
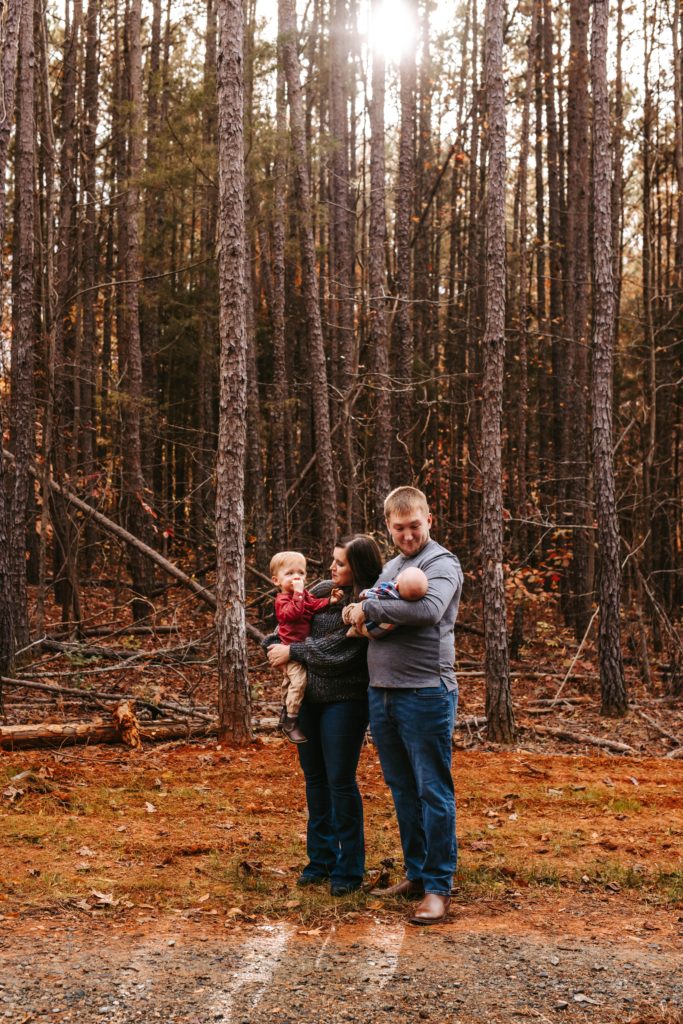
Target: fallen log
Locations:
point(575, 737)
point(118, 531)
point(68, 734)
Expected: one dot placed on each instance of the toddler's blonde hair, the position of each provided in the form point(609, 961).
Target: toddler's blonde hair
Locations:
point(283, 558)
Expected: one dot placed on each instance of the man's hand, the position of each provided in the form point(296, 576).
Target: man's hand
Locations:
point(357, 616)
point(278, 655)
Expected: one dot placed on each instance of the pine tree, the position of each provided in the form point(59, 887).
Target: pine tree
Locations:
point(234, 703)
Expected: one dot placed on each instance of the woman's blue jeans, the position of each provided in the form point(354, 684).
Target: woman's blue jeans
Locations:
point(413, 732)
point(335, 839)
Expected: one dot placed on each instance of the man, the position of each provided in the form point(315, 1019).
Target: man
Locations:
point(413, 699)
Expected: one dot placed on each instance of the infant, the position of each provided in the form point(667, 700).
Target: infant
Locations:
point(410, 585)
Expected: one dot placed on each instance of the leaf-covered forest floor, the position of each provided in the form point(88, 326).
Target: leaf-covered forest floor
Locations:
point(161, 884)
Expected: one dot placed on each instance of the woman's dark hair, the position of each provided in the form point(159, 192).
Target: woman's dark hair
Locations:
point(365, 559)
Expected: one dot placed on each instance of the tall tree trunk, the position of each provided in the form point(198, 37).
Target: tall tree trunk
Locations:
point(618, 173)
point(612, 684)
point(153, 255)
point(279, 418)
point(90, 260)
point(203, 504)
point(324, 463)
point(677, 29)
point(134, 495)
point(650, 368)
point(61, 441)
point(234, 702)
point(405, 208)
point(473, 295)
point(499, 714)
point(522, 395)
point(9, 47)
point(377, 281)
point(575, 448)
point(539, 418)
point(22, 403)
point(341, 238)
point(255, 495)
point(555, 242)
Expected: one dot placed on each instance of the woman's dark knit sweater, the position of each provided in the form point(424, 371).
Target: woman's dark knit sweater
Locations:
point(337, 664)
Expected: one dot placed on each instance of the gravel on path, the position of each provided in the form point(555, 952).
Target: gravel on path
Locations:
point(375, 971)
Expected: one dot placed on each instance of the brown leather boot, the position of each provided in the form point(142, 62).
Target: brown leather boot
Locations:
point(406, 889)
point(290, 727)
point(432, 910)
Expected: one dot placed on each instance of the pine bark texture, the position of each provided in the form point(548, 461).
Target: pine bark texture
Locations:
point(90, 262)
point(614, 700)
point(280, 393)
point(575, 420)
point(341, 246)
point(234, 702)
point(522, 396)
point(310, 284)
point(22, 402)
point(405, 204)
point(377, 278)
point(9, 46)
point(133, 483)
point(500, 720)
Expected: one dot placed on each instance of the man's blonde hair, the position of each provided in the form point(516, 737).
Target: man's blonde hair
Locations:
point(283, 558)
point(403, 500)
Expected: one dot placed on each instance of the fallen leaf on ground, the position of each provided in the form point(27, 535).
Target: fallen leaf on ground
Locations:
point(106, 898)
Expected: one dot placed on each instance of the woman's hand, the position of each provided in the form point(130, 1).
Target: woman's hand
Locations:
point(347, 612)
point(278, 655)
point(357, 616)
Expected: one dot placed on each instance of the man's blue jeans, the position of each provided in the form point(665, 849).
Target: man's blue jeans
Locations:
point(335, 840)
point(413, 731)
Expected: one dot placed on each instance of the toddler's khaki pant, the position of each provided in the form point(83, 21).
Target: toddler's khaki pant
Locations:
point(293, 687)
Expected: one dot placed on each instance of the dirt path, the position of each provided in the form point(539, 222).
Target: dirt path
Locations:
point(161, 887)
point(585, 961)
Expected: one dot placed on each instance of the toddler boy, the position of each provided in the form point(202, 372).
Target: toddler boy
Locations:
point(294, 609)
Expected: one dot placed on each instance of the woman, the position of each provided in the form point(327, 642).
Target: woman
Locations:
point(334, 717)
